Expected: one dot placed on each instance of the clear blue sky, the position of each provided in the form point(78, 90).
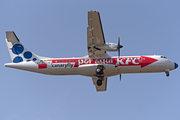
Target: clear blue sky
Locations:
point(57, 28)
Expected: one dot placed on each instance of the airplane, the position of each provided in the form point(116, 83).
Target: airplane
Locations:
point(97, 64)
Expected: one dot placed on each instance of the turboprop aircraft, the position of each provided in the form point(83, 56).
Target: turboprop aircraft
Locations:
point(97, 64)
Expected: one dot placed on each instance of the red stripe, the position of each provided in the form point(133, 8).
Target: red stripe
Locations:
point(142, 60)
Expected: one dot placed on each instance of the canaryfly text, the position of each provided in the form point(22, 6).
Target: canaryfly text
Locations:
point(63, 65)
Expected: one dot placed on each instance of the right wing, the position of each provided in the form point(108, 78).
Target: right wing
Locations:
point(95, 35)
point(103, 86)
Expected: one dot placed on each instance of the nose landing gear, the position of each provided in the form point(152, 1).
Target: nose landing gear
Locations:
point(167, 72)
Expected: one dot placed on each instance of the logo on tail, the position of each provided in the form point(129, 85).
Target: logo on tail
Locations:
point(17, 51)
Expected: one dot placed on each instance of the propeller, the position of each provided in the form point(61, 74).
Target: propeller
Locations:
point(118, 48)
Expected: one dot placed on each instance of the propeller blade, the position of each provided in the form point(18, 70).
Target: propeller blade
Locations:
point(120, 76)
point(118, 46)
point(118, 41)
point(118, 52)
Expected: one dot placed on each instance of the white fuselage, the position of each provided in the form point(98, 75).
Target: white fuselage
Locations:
point(87, 66)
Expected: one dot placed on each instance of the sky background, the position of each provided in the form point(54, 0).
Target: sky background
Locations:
point(57, 28)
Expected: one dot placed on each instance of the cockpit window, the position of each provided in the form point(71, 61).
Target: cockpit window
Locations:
point(163, 57)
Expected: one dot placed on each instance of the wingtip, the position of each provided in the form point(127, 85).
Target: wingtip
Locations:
point(93, 11)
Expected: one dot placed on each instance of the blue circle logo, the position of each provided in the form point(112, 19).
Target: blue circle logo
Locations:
point(27, 55)
point(34, 59)
point(17, 49)
point(17, 59)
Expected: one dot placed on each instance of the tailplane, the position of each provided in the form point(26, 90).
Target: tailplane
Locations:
point(17, 51)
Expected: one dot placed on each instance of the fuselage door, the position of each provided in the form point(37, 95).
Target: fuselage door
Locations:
point(49, 64)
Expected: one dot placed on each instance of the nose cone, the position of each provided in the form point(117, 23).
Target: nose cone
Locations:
point(175, 65)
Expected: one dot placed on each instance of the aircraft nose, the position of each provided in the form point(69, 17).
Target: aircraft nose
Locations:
point(175, 65)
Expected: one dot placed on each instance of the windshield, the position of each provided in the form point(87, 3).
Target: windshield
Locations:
point(163, 57)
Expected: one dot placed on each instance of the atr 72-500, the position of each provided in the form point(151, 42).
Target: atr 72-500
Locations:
point(97, 64)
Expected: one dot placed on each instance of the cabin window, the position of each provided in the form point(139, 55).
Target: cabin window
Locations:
point(59, 61)
point(66, 60)
point(56, 61)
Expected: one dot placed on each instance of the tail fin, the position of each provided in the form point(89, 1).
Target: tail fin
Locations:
point(17, 51)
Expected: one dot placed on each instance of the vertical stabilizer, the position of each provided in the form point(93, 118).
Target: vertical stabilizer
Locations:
point(17, 51)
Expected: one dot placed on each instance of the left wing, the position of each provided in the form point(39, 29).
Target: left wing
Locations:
point(103, 86)
point(95, 35)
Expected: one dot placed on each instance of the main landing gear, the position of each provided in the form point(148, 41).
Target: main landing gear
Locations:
point(99, 82)
point(99, 71)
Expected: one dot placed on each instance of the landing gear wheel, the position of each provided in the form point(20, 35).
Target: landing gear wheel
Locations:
point(99, 82)
point(99, 70)
point(167, 72)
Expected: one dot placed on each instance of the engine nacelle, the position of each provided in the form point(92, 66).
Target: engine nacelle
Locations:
point(87, 69)
point(108, 47)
